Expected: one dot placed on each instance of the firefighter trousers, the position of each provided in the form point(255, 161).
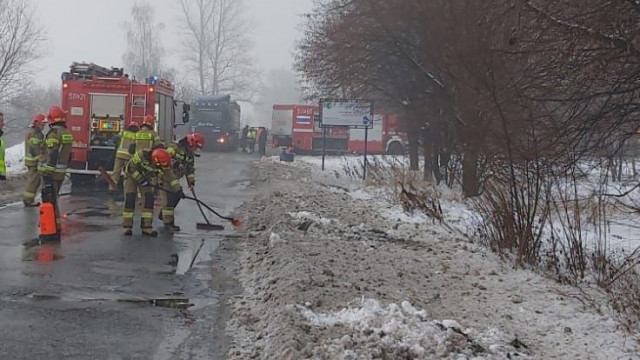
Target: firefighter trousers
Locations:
point(131, 189)
point(169, 202)
point(118, 165)
point(33, 183)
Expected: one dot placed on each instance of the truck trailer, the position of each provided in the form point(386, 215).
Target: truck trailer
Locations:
point(297, 127)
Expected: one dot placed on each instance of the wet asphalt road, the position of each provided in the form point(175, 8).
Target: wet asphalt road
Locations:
point(93, 300)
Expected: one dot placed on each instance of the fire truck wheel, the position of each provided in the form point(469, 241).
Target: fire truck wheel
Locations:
point(395, 148)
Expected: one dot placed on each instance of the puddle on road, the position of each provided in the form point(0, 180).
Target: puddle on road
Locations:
point(191, 252)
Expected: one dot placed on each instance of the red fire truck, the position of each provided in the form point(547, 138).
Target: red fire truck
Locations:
point(100, 102)
point(295, 126)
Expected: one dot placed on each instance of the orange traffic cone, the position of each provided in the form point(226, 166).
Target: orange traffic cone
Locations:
point(48, 229)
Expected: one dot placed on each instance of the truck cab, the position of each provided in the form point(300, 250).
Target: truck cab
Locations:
point(217, 118)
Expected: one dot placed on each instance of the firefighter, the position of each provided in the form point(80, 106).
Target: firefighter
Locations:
point(146, 137)
point(243, 138)
point(3, 167)
point(127, 137)
point(145, 165)
point(33, 148)
point(262, 141)
point(55, 158)
point(183, 155)
point(251, 140)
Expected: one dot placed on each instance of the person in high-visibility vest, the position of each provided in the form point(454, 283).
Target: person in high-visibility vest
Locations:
point(33, 148)
point(251, 140)
point(56, 155)
point(140, 172)
point(146, 137)
point(123, 154)
point(183, 164)
point(3, 166)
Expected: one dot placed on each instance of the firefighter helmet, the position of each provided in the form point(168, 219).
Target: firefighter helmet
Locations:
point(148, 120)
point(38, 120)
point(134, 124)
point(195, 140)
point(56, 114)
point(161, 158)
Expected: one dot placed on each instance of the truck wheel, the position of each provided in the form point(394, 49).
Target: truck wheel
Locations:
point(82, 179)
point(395, 148)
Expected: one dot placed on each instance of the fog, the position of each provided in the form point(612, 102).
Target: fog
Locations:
point(92, 31)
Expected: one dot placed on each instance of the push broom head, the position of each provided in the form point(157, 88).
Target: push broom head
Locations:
point(204, 226)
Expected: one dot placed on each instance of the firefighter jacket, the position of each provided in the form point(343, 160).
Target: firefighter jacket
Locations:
point(127, 138)
point(57, 152)
point(147, 139)
point(3, 166)
point(140, 169)
point(33, 146)
point(183, 163)
point(252, 134)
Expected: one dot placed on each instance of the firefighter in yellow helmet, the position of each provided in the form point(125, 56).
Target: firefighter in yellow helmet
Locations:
point(33, 148)
point(144, 166)
point(183, 164)
point(123, 154)
point(55, 158)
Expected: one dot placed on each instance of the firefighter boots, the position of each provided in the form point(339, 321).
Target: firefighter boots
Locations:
point(128, 232)
point(172, 227)
point(149, 232)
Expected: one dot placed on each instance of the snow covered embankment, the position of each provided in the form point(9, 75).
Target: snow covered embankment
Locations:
point(14, 158)
point(328, 276)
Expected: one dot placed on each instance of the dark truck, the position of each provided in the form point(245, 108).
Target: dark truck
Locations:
point(217, 118)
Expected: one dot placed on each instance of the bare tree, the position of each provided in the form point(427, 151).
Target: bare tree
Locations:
point(217, 46)
point(20, 40)
point(144, 53)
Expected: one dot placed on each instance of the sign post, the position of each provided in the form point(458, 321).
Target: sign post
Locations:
point(324, 144)
point(354, 114)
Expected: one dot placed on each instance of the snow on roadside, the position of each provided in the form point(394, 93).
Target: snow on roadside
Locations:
point(299, 294)
point(14, 158)
point(405, 332)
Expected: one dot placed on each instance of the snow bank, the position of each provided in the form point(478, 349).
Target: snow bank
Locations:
point(14, 157)
point(404, 331)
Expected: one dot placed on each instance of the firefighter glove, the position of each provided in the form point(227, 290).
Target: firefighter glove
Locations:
point(132, 148)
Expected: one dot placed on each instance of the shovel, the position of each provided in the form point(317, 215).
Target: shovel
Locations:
point(208, 225)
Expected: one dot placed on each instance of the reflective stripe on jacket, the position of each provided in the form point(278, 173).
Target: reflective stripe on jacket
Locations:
point(127, 137)
point(33, 147)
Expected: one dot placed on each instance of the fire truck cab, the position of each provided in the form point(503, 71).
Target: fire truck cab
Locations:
point(100, 102)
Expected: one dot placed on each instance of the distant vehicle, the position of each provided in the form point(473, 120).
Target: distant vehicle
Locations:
point(218, 119)
point(298, 127)
point(100, 102)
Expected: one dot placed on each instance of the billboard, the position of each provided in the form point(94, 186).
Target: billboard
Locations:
point(352, 113)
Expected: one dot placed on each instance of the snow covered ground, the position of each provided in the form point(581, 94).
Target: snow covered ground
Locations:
point(332, 269)
point(14, 158)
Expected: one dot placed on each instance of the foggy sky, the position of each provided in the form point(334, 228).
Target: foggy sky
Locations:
point(92, 31)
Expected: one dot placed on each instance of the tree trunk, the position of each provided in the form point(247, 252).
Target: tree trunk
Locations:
point(470, 178)
point(412, 137)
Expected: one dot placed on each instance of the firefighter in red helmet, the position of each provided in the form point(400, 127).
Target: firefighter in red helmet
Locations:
point(183, 155)
point(123, 154)
point(140, 172)
point(55, 157)
point(146, 137)
point(33, 148)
